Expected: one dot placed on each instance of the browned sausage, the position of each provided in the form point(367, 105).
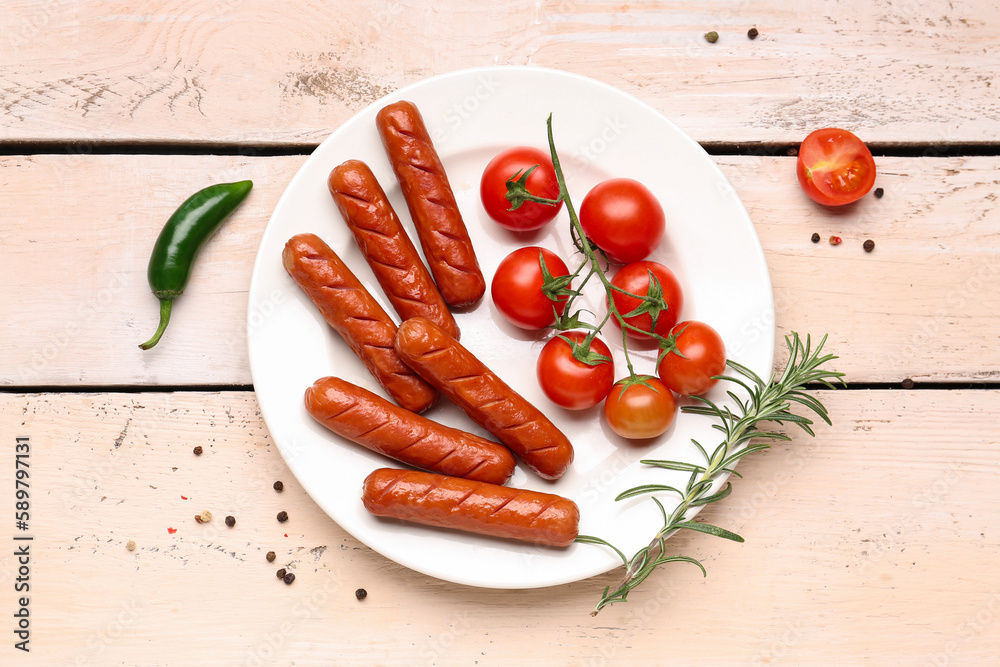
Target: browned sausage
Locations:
point(488, 400)
point(475, 507)
point(386, 246)
point(443, 235)
point(354, 314)
point(373, 422)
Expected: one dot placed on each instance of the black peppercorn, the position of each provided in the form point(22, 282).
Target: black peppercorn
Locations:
point(230, 521)
point(815, 237)
point(361, 594)
point(279, 487)
point(879, 192)
point(198, 450)
point(271, 556)
point(752, 33)
point(869, 245)
point(281, 573)
point(289, 578)
point(907, 383)
point(282, 516)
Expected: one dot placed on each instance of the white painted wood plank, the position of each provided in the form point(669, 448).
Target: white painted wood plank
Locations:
point(872, 544)
point(77, 231)
point(267, 73)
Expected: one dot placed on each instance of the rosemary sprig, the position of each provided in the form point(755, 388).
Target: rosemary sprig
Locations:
point(769, 401)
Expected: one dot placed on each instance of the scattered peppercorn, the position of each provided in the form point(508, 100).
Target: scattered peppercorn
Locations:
point(130, 545)
point(282, 516)
point(197, 517)
point(869, 245)
point(907, 383)
point(792, 151)
point(204, 517)
point(815, 237)
point(289, 578)
point(361, 594)
point(198, 450)
point(278, 486)
point(281, 573)
point(752, 33)
point(230, 521)
point(835, 240)
point(711, 37)
point(878, 193)
point(270, 556)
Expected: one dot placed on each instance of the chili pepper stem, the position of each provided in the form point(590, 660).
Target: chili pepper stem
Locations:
point(165, 306)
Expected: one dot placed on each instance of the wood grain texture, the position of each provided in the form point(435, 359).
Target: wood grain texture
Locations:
point(77, 231)
point(847, 561)
point(264, 73)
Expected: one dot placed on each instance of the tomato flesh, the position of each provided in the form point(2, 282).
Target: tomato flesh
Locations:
point(835, 167)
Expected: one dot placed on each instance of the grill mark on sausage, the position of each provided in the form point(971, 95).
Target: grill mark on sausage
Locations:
point(542, 449)
point(437, 483)
point(366, 204)
point(440, 460)
point(496, 401)
point(372, 430)
point(505, 503)
point(471, 493)
point(542, 511)
point(389, 487)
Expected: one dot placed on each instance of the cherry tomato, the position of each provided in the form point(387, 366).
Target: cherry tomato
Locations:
point(569, 382)
point(704, 356)
point(643, 409)
point(635, 278)
point(541, 182)
point(517, 288)
point(623, 218)
point(835, 167)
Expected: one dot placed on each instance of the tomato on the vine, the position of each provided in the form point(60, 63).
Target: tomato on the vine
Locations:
point(835, 167)
point(541, 182)
point(639, 408)
point(569, 382)
point(704, 356)
point(648, 279)
point(517, 288)
point(623, 218)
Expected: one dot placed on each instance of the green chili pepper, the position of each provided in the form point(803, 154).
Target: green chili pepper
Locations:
point(178, 244)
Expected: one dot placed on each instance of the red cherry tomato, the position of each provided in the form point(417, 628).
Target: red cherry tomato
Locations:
point(541, 182)
point(635, 278)
point(704, 356)
point(623, 218)
point(835, 167)
point(638, 410)
point(569, 382)
point(517, 288)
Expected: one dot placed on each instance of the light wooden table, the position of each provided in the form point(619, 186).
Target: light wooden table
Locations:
point(874, 543)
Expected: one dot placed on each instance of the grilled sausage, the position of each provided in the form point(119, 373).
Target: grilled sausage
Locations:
point(476, 507)
point(443, 235)
point(488, 400)
point(373, 422)
point(354, 314)
point(386, 246)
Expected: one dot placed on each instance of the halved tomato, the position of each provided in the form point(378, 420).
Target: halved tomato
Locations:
point(835, 167)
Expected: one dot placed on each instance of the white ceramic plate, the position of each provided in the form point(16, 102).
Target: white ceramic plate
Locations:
point(600, 132)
